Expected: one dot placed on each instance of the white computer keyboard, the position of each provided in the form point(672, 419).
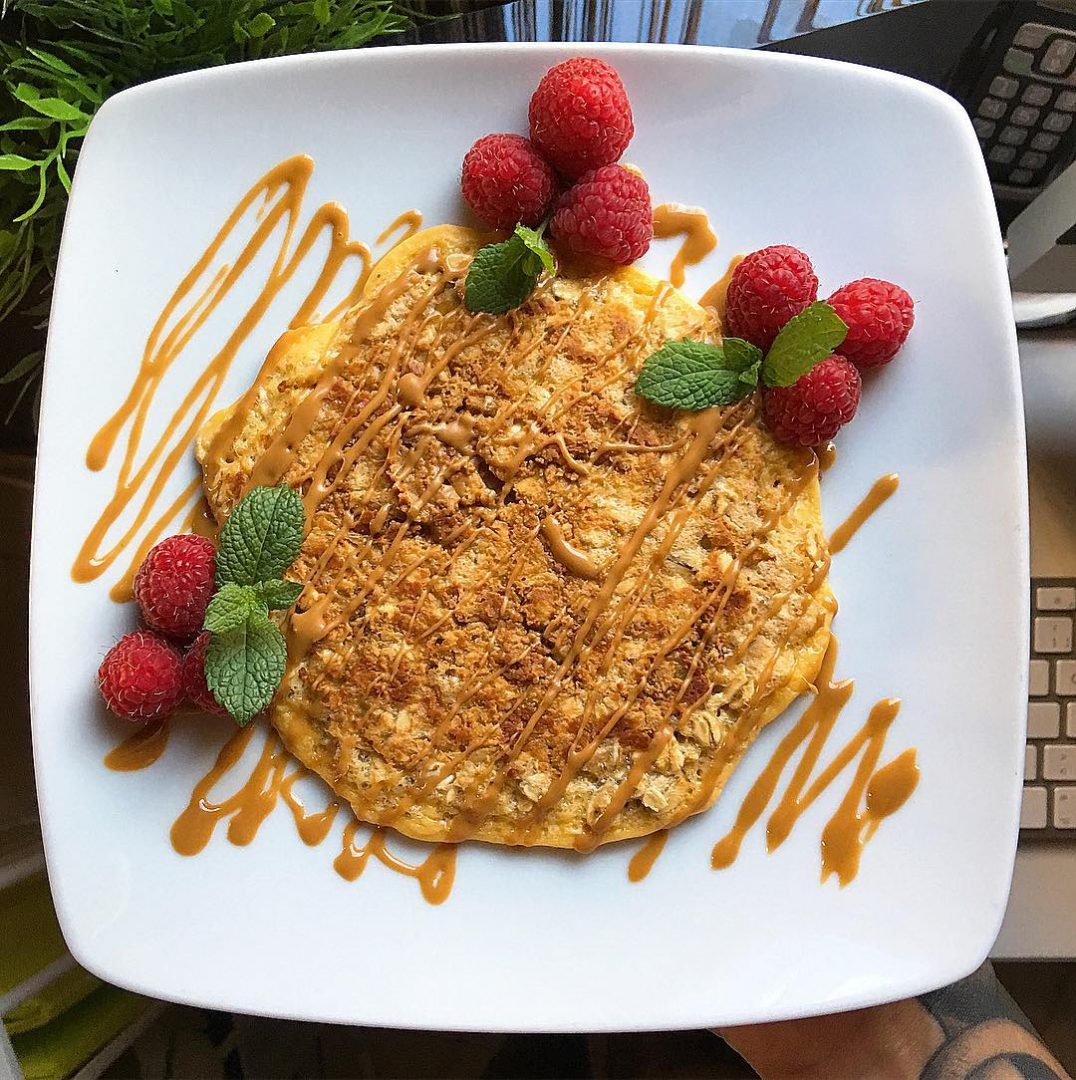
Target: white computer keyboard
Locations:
point(1049, 807)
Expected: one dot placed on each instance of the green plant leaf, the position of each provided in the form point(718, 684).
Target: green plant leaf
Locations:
point(262, 536)
point(29, 363)
point(28, 123)
point(51, 61)
point(16, 163)
point(57, 109)
point(261, 24)
point(243, 667)
point(278, 595)
point(231, 606)
point(321, 11)
point(805, 340)
point(696, 375)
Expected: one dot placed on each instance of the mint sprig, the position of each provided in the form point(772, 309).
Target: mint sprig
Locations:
point(246, 655)
point(695, 375)
point(503, 275)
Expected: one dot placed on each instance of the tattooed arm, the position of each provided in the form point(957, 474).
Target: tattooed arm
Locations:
point(971, 1030)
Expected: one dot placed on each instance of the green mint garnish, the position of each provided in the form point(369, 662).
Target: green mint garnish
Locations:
point(231, 606)
point(262, 537)
point(804, 341)
point(278, 595)
point(503, 275)
point(696, 375)
point(243, 667)
point(245, 658)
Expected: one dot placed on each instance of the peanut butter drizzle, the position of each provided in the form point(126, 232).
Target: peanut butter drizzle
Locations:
point(268, 783)
point(642, 862)
point(435, 874)
point(411, 220)
point(571, 558)
point(458, 434)
point(671, 219)
point(848, 830)
point(311, 827)
point(144, 476)
point(140, 750)
point(714, 297)
point(882, 488)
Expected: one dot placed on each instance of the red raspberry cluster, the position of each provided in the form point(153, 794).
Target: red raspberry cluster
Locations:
point(145, 675)
point(772, 285)
point(580, 125)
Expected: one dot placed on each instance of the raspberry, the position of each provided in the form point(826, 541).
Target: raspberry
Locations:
point(195, 689)
point(505, 181)
point(174, 584)
point(606, 213)
point(815, 407)
point(141, 677)
point(879, 315)
point(766, 290)
point(580, 116)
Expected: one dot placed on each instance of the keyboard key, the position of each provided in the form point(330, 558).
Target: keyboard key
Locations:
point(1014, 136)
point(1066, 678)
point(1035, 94)
point(1053, 634)
point(1025, 116)
point(1070, 720)
point(1043, 720)
point(1055, 598)
point(1045, 142)
point(1065, 807)
point(1031, 35)
point(1020, 176)
point(1018, 62)
point(1057, 122)
point(1038, 683)
point(1060, 54)
point(1059, 762)
point(1029, 763)
point(1004, 87)
point(991, 108)
point(1032, 160)
point(1033, 808)
point(983, 128)
point(1066, 101)
point(1001, 155)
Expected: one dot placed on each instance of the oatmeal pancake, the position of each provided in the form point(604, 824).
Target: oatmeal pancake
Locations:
point(537, 609)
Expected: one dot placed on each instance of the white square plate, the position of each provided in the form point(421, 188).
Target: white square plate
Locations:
point(872, 175)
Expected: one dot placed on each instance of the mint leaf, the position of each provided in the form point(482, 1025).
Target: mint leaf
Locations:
point(805, 340)
point(536, 245)
point(503, 275)
point(244, 666)
point(231, 606)
point(262, 536)
point(695, 375)
point(278, 595)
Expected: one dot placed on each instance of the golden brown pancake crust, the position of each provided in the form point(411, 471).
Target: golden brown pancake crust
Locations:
point(456, 670)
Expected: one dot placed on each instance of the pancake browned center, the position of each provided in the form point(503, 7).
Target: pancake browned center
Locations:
point(538, 610)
